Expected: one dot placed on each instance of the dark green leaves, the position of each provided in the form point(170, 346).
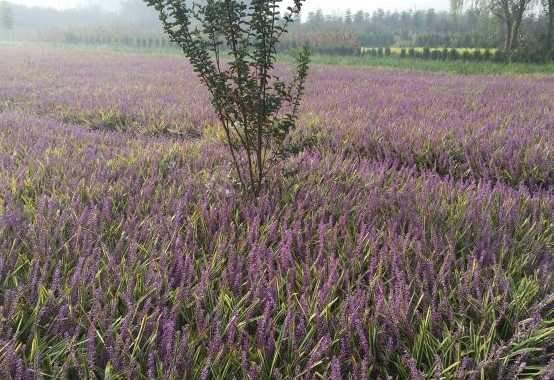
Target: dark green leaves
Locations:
point(232, 46)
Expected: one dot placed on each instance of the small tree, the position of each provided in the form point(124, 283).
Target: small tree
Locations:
point(6, 16)
point(255, 107)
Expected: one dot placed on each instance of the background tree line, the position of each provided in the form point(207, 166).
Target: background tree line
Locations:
point(511, 25)
point(522, 25)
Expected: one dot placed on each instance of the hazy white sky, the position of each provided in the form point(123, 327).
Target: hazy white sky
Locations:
point(375, 4)
point(61, 4)
point(328, 5)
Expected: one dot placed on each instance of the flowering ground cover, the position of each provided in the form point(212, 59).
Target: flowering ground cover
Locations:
point(411, 236)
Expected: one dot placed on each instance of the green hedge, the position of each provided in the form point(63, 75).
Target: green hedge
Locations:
point(453, 54)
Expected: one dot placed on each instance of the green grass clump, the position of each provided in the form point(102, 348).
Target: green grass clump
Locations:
point(449, 66)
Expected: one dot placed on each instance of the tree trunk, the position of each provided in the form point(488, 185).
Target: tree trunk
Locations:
point(515, 34)
point(509, 39)
point(550, 31)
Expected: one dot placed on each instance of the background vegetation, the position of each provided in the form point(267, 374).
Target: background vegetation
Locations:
point(350, 33)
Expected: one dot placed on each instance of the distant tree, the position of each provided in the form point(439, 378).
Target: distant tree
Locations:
point(6, 16)
point(430, 19)
point(316, 18)
point(511, 13)
point(378, 18)
point(348, 17)
point(419, 20)
point(549, 11)
point(359, 18)
point(255, 107)
point(405, 19)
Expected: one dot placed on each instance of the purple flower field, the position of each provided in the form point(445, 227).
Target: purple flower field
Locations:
point(411, 238)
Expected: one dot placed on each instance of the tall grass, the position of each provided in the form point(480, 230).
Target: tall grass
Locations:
point(411, 236)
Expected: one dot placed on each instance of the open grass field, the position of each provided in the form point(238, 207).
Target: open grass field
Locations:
point(411, 238)
point(459, 67)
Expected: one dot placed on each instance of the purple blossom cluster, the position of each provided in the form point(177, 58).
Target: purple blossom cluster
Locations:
point(411, 238)
point(500, 129)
